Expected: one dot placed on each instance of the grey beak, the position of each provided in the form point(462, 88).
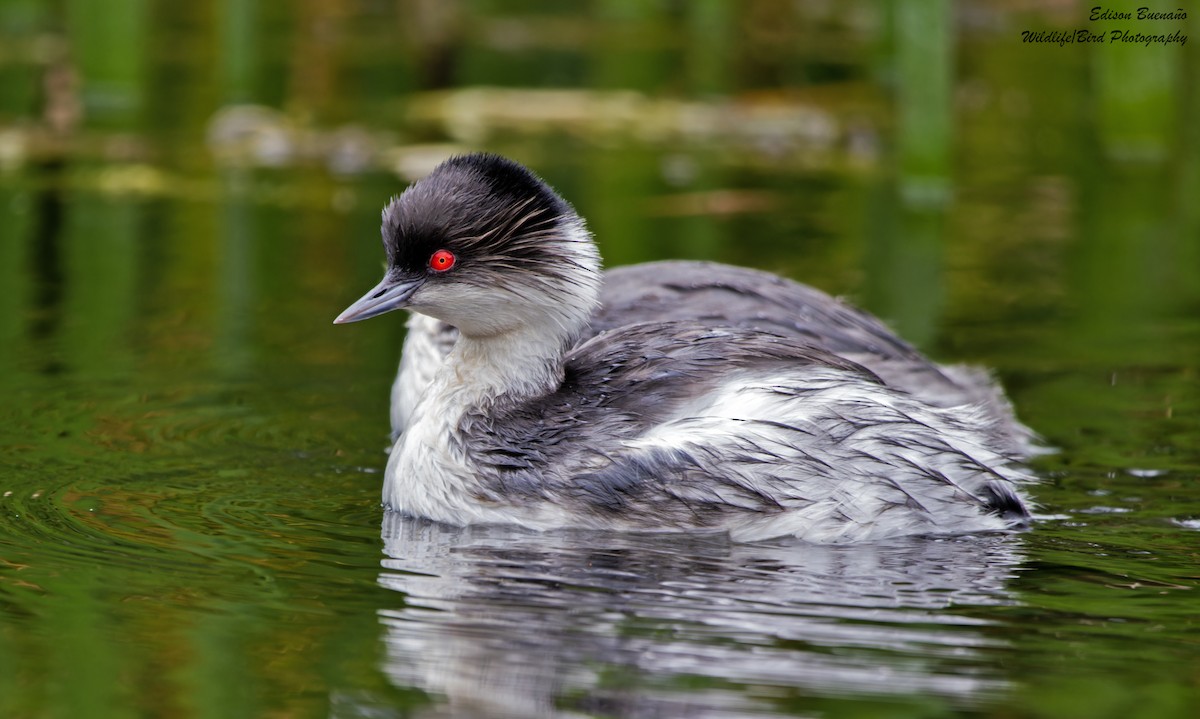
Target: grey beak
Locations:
point(388, 295)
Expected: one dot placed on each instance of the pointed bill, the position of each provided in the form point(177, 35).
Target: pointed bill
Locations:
point(388, 295)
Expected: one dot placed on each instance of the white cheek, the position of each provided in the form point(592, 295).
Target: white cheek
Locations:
point(473, 310)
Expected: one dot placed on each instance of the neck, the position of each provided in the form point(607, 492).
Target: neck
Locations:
point(428, 473)
point(511, 366)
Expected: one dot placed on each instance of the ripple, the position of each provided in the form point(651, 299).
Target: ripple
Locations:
point(1102, 509)
point(144, 522)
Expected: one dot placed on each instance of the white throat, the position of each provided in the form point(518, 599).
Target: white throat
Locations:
point(519, 365)
point(428, 474)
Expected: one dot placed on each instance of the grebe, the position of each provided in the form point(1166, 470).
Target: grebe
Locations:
point(662, 397)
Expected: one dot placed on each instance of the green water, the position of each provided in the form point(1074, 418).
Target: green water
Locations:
point(190, 452)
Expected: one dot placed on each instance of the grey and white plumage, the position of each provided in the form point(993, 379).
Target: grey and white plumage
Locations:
point(667, 396)
point(725, 295)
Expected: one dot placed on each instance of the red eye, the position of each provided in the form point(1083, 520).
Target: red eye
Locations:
point(442, 260)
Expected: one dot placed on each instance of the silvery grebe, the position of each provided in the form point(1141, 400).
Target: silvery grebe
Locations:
point(663, 397)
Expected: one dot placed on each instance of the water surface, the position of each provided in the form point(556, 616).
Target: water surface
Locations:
point(190, 452)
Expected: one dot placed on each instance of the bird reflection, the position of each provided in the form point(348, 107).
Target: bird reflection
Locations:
point(501, 622)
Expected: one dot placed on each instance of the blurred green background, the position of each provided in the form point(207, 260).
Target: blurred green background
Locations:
point(189, 193)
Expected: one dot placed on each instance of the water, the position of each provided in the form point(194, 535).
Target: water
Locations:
point(190, 452)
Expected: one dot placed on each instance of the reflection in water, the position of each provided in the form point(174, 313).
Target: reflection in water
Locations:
point(47, 259)
point(500, 622)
